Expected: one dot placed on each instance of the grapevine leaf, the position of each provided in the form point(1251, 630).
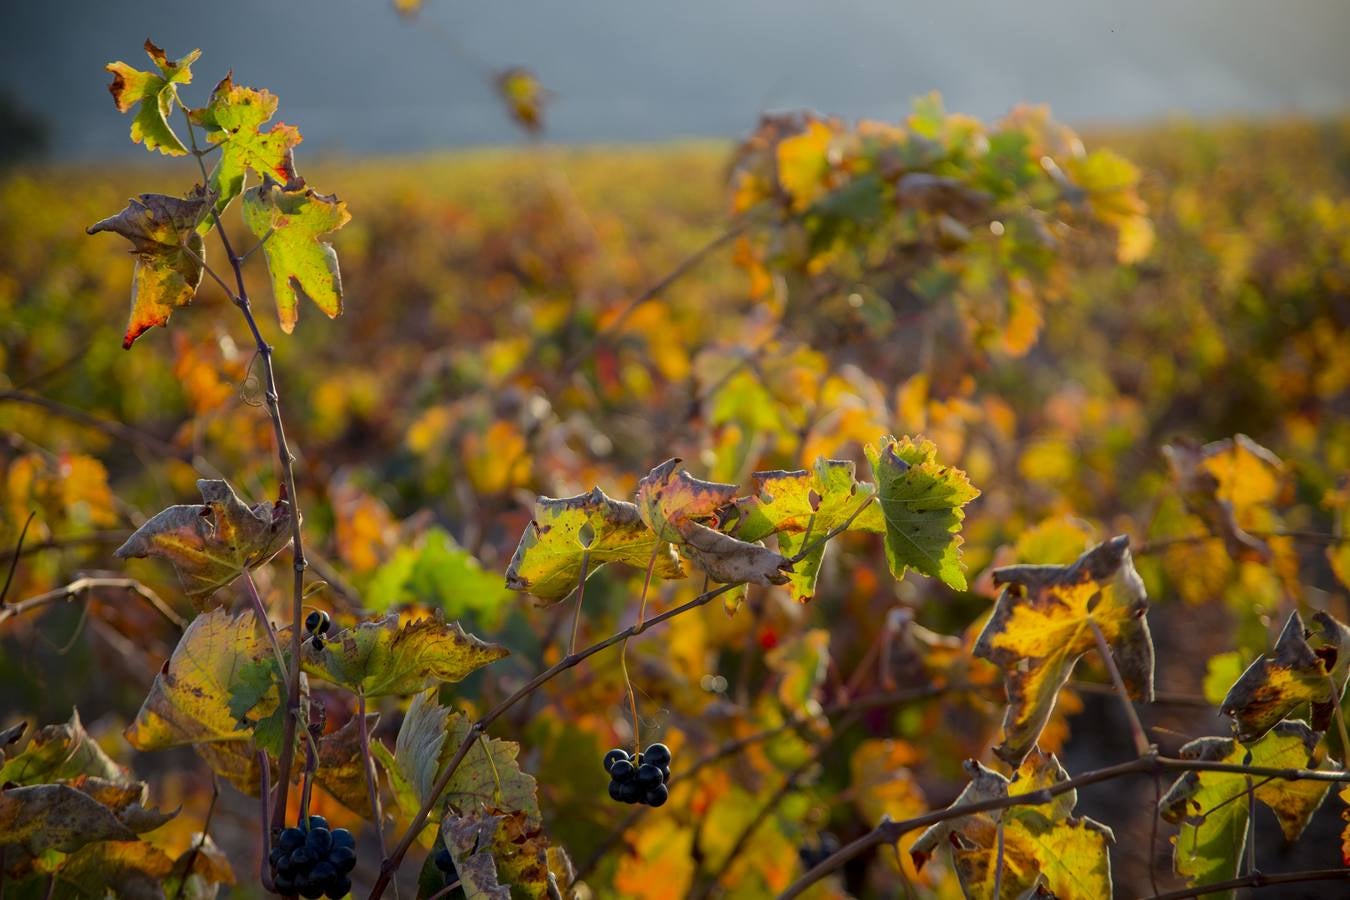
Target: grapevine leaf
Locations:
point(59, 752)
point(41, 817)
point(289, 223)
point(490, 776)
point(342, 766)
point(140, 871)
point(380, 657)
point(920, 509)
point(212, 543)
point(802, 506)
point(1306, 666)
point(548, 560)
point(470, 839)
point(1042, 625)
point(1224, 483)
point(1212, 809)
point(168, 255)
point(675, 505)
point(233, 118)
point(1044, 845)
point(438, 572)
point(191, 698)
point(156, 95)
point(417, 749)
point(8, 738)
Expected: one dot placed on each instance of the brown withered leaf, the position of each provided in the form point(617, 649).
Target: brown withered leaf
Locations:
point(342, 767)
point(675, 505)
point(1224, 482)
point(212, 543)
point(1306, 666)
point(1042, 625)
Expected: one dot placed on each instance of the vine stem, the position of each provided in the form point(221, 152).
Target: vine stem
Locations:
point(372, 782)
point(286, 760)
point(1257, 880)
point(889, 831)
point(84, 585)
point(391, 863)
point(1141, 741)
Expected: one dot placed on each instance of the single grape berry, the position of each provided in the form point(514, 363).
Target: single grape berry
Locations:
point(312, 890)
point(340, 887)
point(317, 822)
point(290, 839)
point(648, 776)
point(657, 796)
point(318, 622)
point(343, 859)
point(658, 755)
point(320, 841)
point(813, 853)
point(284, 883)
point(665, 774)
point(343, 838)
point(623, 771)
point(317, 642)
point(616, 791)
point(614, 756)
point(629, 792)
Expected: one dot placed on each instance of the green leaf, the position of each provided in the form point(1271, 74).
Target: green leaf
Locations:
point(212, 543)
point(920, 508)
point(60, 752)
point(1045, 848)
point(675, 505)
point(233, 118)
point(156, 95)
point(192, 699)
point(1211, 807)
point(438, 572)
point(1305, 667)
point(168, 256)
point(417, 749)
point(380, 657)
point(803, 506)
point(548, 559)
point(1042, 625)
point(290, 222)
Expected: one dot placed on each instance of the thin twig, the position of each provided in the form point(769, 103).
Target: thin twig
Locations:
point(890, 831)
point(1257, 880)
point(1141, 741)
point(201, 842)
point(82, 585)
point(14, 559)
point(124, 433)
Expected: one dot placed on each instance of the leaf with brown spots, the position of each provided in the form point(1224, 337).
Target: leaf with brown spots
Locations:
point(1306, 666)
point(288, 220)
point(212, 543)
point(41, 817)
point(381, 657)
point(1042, 625)
point(342, 767)
point(591, 529)
point(676, 506)
point(233, 118)
point(169, 254)
point(59, 752)
point(156, 95)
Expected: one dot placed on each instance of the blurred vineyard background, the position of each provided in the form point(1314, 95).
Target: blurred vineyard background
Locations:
point(492, 350)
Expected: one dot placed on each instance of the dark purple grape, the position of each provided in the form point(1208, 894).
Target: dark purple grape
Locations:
point(629, 792)
point(614, 756)
point(344, 859)
point(323, 871)
point(320, 840)
point(312, 889)
point(302, 858)
point(665, 774)
point(658, 755)
point(648, 776)
point(616, 791)
point(318, 622)
point(657, 796)
point(291, 839)
point(339, 888)
point(343, 838)
point(317, 822)
point(284, 883)
point(623, 771)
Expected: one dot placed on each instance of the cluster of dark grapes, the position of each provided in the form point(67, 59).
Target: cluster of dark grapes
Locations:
point(813, 853)
point(314, 861)
point(445, 863)
point(317, 624)
point(641, 780)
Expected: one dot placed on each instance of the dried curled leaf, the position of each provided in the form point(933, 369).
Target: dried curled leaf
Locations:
point(470, 839)
point(289, 221)
point(524, 96)
point(155, 94)
point(212, 543)
point(516, 854)
point(233, 118)
point(593, 528)
point(921, 508)
point(1226, 483)
point(168, 253)
point(193, 699)
point(342, 766)
point(1044, 846)
point(1306, 666)
point(1212, 809)
point(803, 506)
point(675, 505)
point(66, 816)
point(59, 752)
point(1042, 625)
point(381, 657)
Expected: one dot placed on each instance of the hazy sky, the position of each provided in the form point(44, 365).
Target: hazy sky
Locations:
point(355, 76)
